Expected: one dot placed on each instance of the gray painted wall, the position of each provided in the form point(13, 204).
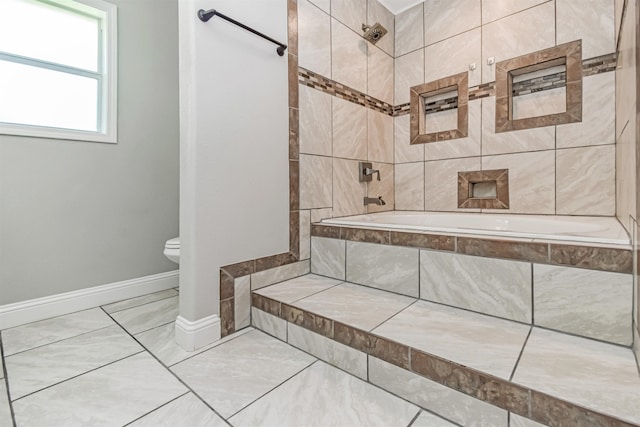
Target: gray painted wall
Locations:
point(78, 214)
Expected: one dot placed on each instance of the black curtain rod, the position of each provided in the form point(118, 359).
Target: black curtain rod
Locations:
point(205, 15)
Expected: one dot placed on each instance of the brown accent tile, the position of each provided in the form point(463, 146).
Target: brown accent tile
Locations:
point(240, 269)
point(523, 251)
point(467, 178)
point(294, 134)
point(227, 288)
point(364, 235)
point(292, 68)
point(227, 317)
point(485, 387)
point(313, 322)
point(330, 231)
point(294, 233)
point(265, 263)
point(292, 26)
point(555, 412)
point(605, 259)
point(294, 185)
point(425, 241)
point(382, 348)
point(265, 304)
point(353, 337)
point(292, 314)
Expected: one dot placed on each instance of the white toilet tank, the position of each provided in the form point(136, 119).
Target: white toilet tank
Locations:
point(172, 249)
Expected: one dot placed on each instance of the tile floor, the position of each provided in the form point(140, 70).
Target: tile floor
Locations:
point(117, 365)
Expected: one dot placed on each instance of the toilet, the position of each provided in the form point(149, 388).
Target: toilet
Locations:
point(172, 249)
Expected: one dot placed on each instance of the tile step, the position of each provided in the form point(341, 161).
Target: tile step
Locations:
point(499, 370)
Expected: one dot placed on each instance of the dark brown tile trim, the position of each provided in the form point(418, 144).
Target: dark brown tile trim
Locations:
point(467, 178)
point(587, 257)
point(485, 387)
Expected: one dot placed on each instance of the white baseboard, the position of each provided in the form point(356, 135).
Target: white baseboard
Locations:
point(194, 335)
point(56, 305)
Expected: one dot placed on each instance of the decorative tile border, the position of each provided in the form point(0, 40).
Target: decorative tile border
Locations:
point(493, 390)
point(587, 257)
point(467, 179)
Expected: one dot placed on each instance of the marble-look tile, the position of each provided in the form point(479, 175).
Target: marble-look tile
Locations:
point(408, 72)
point(355, 305)
point(5, 409)
point(410, 30)
point(242, 302)
point(449, 403)
point(599, 376)
point(535, 139)
point(626, 70)
point(380, 74)
point(376, 12)
point(426, 419)
point(315, 121)
point(383, 188)
point(409, 186)
point(232, 376)
point(1, 367)
point(42, 367)
point(348, 191)
point(305, 234)
point(323, 4)
point(618, 6)
point(462, 147)
point(134, 386)
point(186, 410)
point(380, 137)
point(333, 352)
point(595, 304)
point(348, 57)
point(47, 331)
point(327, 396)
point(441, 182)
point(404, 152)
point(441, 121)
point(626, 190)
point(536, 104)
point(491, 286)
point(446, 18)
point(138, 301)
point(318, 215)
point(529, 31)
point(298, 288)
point(148, 316)
point(314, 39)
point(451, 333)
point(593, 24)
point(586, 181)
point(389, 268)
point(531, 180)
point(349, 130)
point(351, 13)
point(516, 420)
point(328, 257)
point(598, 114)
point(279, 274)
point(496, 9)
point(269, 323)
point(467, 47)
point(315, 181)
point(636, 344)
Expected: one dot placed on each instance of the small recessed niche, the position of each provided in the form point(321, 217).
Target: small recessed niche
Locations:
point(483, 189)
point(539, 93)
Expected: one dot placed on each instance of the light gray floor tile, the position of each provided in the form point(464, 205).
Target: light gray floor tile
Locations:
point(485, 343)
point(231, 376)
point(138, 301)
point(355, 305)
point(110, 396)
point(148, 316)
point(44, 366)
point(188, 411)
point(594, 374)
point(327, 396)
point(47, 331)
point(425, 419)
point(161, 343)
point(298, 288)
point(5, 411)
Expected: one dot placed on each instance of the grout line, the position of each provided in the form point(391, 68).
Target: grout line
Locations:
point(237, 334)
point(524, 345)
point(5, 379)
point(154, 410)
point(139, 305)
point(413, 420)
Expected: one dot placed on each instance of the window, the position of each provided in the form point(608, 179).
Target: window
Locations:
point(58, 69)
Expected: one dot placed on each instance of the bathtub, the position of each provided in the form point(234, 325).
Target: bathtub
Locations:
point(597, 230)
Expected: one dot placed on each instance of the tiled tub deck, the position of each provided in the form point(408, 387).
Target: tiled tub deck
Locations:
point(418, 336)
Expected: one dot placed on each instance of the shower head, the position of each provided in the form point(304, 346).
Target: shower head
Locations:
point(374, 32)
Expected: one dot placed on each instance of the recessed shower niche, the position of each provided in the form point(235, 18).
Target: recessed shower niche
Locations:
point(439, 110)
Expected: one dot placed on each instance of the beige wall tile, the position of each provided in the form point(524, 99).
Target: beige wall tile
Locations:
point(315, 182)
point(496, 9)
point(349, 130)
point(279, 274)
point(626, 169)
point(315, 121)
point(376, 12)
point(626, 71)
point(380, 137)
point(593, 23)
point(404, 152)
point(242, 302)
point(528, 31)
point(409, 71)
point(380, 74)
point(467, 48)
point(323, 4)
point(348, 57)
point(314, 38)
point(441, 183)
point(531, 181)
point(543, 103)
point(409, 186)
point(328, 257)
point(463, 147)
point(305, 234)
point(586, 181)
point(441, 121)
point(318, 215)
point(348, 192)
point(410, 30)
point(617, 13)
point(384, 188)
point(518, 421)
point(446, 18)
point(351, 13)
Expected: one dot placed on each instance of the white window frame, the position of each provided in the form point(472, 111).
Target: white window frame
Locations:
point(107, 76)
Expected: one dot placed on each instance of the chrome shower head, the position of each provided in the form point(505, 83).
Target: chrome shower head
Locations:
point(374, 32)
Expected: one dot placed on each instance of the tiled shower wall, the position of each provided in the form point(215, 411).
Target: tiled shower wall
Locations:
point(565, 169)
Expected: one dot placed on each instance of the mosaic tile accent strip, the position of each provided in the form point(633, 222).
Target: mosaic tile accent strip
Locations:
point(441, 105)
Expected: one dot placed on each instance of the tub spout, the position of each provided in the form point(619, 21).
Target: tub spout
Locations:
point(374, 201)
